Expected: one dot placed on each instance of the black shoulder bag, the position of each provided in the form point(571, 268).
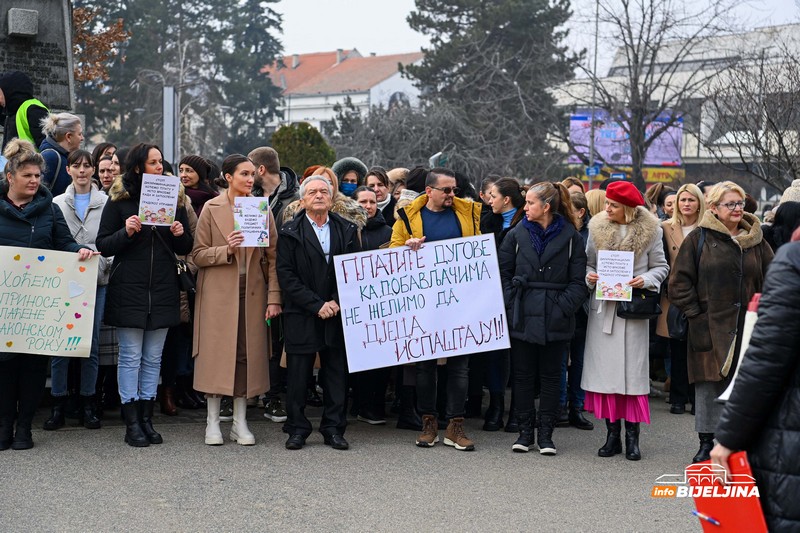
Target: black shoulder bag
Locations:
point(185, 277)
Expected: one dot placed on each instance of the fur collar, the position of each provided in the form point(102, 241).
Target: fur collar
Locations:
point(343, 206)
point(641, 232)
point(750, 235)
point(117, 193)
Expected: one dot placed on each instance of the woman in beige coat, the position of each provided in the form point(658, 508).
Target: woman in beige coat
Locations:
point(688, 211)
point(232, 296)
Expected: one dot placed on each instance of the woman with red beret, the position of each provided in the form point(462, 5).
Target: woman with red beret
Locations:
point(616, 373)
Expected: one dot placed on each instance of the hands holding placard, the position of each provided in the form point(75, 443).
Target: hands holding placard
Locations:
point(414, 243)
point(636, 283)
point(235, 239)
point(133, 224)
point(328, 310)
point(176, 228)
point(86, 253)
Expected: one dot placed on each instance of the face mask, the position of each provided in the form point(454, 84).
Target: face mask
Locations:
point(349, 188)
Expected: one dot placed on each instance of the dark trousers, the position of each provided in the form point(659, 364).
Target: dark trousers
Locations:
point(457, 369)
point(572, 371)
point(332, 378)
point(176, 359)
point(370, 390)
point(679, 390)
point(22, 381)
point(532, 364)
point(277, 374)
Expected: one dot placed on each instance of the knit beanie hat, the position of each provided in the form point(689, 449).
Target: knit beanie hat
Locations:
point(416, 179)
point(792, 192)
point(625, 193)
point(199, 164)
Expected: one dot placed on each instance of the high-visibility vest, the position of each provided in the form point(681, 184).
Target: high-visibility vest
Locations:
point(23, 128)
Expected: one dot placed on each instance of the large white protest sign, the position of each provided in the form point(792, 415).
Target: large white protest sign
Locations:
point(158, 199)
point(251, 217)
point(615, 270)
point(46, 302)
point(399, 306)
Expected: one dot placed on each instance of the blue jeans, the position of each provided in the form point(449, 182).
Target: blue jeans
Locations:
point(139, 362)
point(59, 366)
point(572, 387)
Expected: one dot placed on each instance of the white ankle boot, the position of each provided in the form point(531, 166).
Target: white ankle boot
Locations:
point(213, 433)
point(239, 431)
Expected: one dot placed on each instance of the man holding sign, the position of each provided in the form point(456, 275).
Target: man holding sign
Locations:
point(435, 216)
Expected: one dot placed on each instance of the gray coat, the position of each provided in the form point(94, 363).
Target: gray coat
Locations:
point(616, 358)
point(85, 231)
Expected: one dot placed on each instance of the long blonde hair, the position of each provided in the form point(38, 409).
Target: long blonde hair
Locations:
point(694, 190)
point(596, 200)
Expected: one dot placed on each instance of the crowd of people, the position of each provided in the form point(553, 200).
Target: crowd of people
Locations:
point(570, 352)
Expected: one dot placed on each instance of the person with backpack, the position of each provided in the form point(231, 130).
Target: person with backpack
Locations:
point(64, 135)
point(24, 113)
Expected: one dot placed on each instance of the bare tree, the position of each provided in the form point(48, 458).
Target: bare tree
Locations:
point(752, 110)
point(662, 62)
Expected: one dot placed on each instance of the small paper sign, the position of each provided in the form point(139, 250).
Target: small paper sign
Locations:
point(158, 199)
point(251, 217)
point(615, 270)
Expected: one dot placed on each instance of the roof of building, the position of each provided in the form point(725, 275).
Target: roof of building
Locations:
point(354, 73)
point(293, 70)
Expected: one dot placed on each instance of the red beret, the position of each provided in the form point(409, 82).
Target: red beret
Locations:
point(623, 192)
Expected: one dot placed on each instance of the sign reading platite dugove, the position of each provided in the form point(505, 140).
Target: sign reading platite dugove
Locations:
point(251, 217)
point(158, 199)
point(46, 302)
point(399, 306)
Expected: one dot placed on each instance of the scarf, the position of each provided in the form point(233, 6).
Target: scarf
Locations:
point(508, 216)
point(540, 236)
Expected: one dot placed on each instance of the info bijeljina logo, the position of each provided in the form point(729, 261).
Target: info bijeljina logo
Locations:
point(705, 481)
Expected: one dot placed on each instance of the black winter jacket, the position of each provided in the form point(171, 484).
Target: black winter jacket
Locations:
point(376, 233)
point(762, 415)
point(143, 288)
point(55, 175)
point(542, 294)
point(17, 88)
point(307, 281)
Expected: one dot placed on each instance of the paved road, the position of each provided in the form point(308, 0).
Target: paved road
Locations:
point(81, 480)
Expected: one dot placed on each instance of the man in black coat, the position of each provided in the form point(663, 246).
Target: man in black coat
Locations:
point(306, 247)
point(16, 95)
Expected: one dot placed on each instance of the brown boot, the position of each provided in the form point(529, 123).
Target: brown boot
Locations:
point(429, 435)
point(168, 401)
point(455, 436)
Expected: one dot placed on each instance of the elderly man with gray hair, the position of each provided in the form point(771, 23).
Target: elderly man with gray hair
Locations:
point(306, 247)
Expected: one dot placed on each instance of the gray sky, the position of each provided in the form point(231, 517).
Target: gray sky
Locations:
point(380, 25)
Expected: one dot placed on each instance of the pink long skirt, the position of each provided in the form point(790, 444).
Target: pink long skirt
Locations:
point(616, 406)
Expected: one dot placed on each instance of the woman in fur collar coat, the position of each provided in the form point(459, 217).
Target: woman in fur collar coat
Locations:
point(714, 297)
point(616, 370)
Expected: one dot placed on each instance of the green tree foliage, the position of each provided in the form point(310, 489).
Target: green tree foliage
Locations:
point(211, 51)
point(301, 146)
point(491, 62)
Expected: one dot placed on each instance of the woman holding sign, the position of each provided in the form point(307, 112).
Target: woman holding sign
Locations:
point(542, 265)
point(616, 370)
point(142, 299)
point(28, 219)
point(237, 291)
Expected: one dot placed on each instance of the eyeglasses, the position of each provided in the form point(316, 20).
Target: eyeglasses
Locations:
point(730, 206)
point(448, 190)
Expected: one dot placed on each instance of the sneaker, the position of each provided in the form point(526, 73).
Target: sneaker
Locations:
point(544, 438)
point(429, 435)
point(274, 410)
point(370, 418)
point(226, 409)
point(455, 436)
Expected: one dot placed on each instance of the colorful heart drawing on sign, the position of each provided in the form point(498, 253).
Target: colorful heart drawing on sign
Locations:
point(77, 315)
point(28, 267)
point(70, 326)
point(85, 304)
point(75, 288)
point(66, 304)
point(17, 257)
point(40, 258)
point(82, 269)
point(60, 270)
point(9, 344)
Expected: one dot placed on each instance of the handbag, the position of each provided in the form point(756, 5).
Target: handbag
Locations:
point(644, 305)
point(677, 323)
point(185, 277)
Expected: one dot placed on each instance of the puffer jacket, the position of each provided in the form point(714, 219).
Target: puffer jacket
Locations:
point(543, 293)
point(762, 414)
point(376, 233)
point(55, 176)
point(409, 219)
point(143, 290)
point(85, 231)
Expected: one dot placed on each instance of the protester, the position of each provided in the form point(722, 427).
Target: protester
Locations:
point(369, 386)
point(273, 181)
point(713, 291)
point(689, 212)
point(343, 206)
point(306, 246)
point(397, 181)
point(596, 200)
point(761, 413)
point(64, 135)
point(439, 215)
point(506, 200)
point(28, 220)
point(24, 114)
point(231, 278)
point(142, 298)
point(572, 395)
point(103, 149)
point(118, 158)
point(542, 268)
point(378, 180)
point(573, 184)
point(616, 373)
point(193, 171)
point(82, 206)
point(787, 219)
point(668, 200)
point(104, 170)
point(350, 172)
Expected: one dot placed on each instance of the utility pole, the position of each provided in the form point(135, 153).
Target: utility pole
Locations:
point(594, 88)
